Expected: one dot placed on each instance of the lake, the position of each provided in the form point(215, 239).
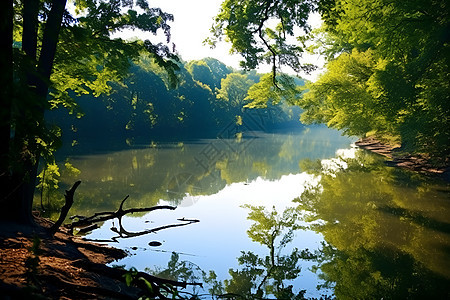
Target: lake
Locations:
point(277, 212)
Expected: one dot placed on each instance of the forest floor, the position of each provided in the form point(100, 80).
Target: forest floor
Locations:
point(63, 267)
point(397, 158)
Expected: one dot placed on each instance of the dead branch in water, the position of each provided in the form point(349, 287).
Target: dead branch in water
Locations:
point(90, 222)
point(104, 216)
point(122, 233)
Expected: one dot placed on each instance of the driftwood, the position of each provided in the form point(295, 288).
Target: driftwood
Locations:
point(107, 215)
point(126, 234)
point(65, 209)
point(159, 286)
point(122, 233)
point(85, 223)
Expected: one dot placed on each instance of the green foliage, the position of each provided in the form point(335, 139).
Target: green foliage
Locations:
point(95, 61)
point(52, 180)
point(388, 72)
point(71, 170)
point(286, 90)
point(347, 96)
point(207, 72)
point(58, 56)
point(199, 105)
point(234, 88)
point(260, 30)
point(48, 178)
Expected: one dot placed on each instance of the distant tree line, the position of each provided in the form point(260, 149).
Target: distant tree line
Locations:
point(208, 97)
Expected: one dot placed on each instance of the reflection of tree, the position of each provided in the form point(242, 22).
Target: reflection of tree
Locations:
point(388, 230)
point(380, 274)
point(185, 271)
point(259, 276)
point(180, 185)
point(177, 270)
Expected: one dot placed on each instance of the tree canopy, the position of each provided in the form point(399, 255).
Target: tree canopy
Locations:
point(260, 31)
point(387, 71)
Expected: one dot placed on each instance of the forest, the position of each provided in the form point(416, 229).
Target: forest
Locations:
point(209, 97)
point(68, 81)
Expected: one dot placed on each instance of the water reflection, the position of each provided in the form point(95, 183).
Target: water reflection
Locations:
point(386, 236)
point(372, 231)
point(387, 230)
point(202, 167)
point(270, 274)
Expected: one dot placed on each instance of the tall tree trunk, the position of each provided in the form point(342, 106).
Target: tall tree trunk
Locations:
point(49, 43)
point(29, 38)
point(18, 204)
point(6, 95)
point(6, 79)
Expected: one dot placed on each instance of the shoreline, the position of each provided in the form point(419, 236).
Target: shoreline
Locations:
point(37, 265)
point(67, 267)
point(63, 267)
point(415, 163)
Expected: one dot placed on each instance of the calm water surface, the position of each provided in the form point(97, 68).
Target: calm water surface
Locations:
point(303, 209)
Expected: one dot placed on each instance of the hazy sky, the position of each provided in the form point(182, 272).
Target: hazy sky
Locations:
point(193, 19)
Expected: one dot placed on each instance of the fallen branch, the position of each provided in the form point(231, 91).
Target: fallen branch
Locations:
point(122, 233)
point(65, 209)
point(86, 223)
point(104, 216)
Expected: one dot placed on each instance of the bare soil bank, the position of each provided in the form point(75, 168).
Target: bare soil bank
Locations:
point(66, 266)
point(417, 163)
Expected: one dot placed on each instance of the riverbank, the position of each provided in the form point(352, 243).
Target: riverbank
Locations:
point(396, 158)
point(59, 267)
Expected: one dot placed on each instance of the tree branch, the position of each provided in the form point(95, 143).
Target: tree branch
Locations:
point(65, 209)
point(266, 43)
point(103, 216)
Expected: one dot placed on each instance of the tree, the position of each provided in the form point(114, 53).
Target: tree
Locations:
point(233, 89)
point(388, 65)
point(399, 51)
point(261, 31)
point(207, 72)
point(55, 55)
point(342, 98)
